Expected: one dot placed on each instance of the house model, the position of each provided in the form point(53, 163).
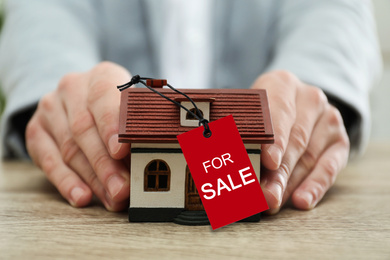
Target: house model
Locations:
point(161, 186)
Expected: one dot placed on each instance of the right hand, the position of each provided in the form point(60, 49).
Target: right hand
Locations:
point(73, 137)
point(311, 143)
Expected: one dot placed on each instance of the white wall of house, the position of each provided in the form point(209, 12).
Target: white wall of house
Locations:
point(255, 160)
point(175, 197)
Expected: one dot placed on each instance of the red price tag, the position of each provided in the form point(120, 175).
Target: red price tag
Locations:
point(223, 173)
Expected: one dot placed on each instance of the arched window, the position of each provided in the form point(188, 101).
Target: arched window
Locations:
point(190, 116)
point(157, 176)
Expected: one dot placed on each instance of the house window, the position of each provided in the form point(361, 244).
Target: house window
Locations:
point(190, 116)
point(157, 176)
point(187, 119)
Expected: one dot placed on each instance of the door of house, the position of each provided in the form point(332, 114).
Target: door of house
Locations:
point(193, 201)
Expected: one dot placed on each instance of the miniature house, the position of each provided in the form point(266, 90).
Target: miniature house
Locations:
point(161, 186)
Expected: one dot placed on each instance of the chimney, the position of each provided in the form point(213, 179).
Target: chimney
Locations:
point(156, 83)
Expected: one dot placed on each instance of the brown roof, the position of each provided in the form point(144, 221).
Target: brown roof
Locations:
point(147, 117)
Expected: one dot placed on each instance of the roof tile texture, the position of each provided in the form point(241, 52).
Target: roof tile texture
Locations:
point(147, 117)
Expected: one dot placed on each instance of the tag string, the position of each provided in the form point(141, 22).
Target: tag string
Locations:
point(137, 79)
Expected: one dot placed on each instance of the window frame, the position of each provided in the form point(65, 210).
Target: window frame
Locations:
point(157, 173)
point(204, 106)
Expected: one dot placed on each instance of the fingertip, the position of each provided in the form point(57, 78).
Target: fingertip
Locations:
point(272, 212)
point(123, 151)
point(114, 206)
point(80, 197)
point(272, 157)
point(117, 150)
point(303, 200)
point(276, 154)
point(113, 144)
point(117, 187)
point(273, 196)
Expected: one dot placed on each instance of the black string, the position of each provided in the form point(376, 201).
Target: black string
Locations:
point(202, 121)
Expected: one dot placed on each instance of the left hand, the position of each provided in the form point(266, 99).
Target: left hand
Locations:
point(73, 137)
point(311, 144)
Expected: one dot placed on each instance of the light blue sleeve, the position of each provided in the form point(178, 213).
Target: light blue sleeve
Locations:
point(331, 44)
point(41, 41)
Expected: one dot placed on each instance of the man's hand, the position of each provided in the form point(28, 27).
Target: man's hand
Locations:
point(311, 144)
point(73, 137)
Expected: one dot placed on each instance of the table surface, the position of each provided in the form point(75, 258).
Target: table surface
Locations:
point(352, 222)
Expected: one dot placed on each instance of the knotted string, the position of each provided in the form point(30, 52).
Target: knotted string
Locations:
point(202, 121)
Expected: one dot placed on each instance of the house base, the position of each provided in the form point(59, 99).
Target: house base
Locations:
point(153, 214)
point(192, 218)
point(176, 215)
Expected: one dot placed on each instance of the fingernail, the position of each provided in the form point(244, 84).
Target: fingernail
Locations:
point(273, 211)
point(276, 191)
point(276, 154)
point(75, 195)
point(108, 202)
point(113, 144)
point(115, 184)
point(308, 197)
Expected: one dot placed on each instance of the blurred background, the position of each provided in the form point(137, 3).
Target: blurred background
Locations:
point(380, 104)
point(381, 92)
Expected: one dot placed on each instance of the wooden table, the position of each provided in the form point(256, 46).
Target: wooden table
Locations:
point(352, 222)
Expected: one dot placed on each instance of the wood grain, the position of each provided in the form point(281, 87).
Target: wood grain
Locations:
point(352, 222)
